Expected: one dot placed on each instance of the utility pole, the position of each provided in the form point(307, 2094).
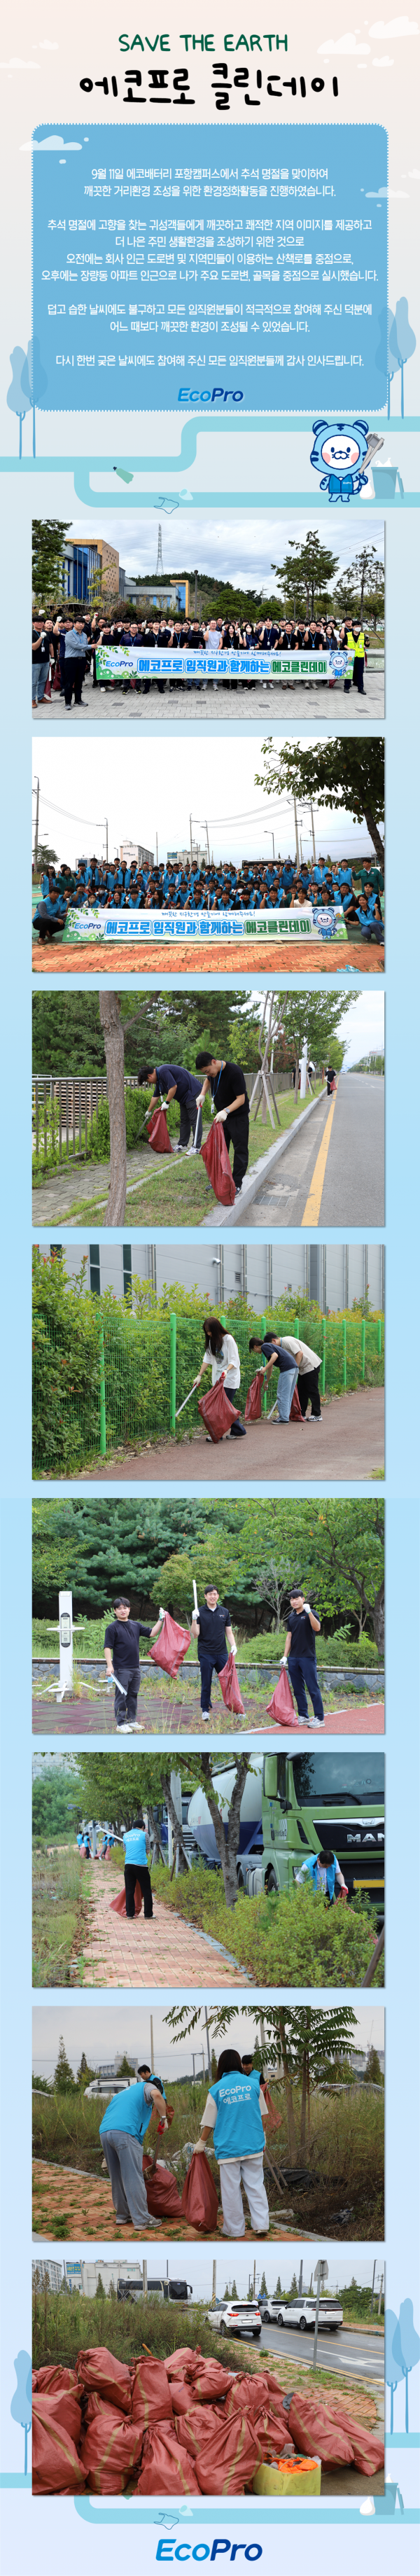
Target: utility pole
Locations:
point(208, 2038)
point(106, 838)
point(213, 2294)
point(304, 1069)
point(145, 2280)
point(320, 2275)
point(253, 2287)
point(373, 2286)
point(191, 847)
point(301, 2278)
point(313, 833)
point(296, 833)
point(151, 2042)
point(157, 853)
point(195, 590)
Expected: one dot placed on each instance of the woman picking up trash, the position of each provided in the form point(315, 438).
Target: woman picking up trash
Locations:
point(233, 2119)
point(276, 1356)
point(222, 1356)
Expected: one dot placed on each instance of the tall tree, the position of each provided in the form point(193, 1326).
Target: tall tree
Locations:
point(48, 542)
point(307, 570)
point(114, 1789)
point(110, 1014)
point(16, 399)
point(303, 2041)
point(406, 2346)
point(384, 355)
point(362, 572)
point(347, 776)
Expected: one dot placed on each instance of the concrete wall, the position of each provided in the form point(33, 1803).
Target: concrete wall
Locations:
point(333, 1274)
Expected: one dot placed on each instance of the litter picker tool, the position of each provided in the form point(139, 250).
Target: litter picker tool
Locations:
point(195, 1600)
point(197, 1124)
point(187, 1400)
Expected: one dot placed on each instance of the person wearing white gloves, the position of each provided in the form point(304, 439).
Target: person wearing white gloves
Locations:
point(212, 1626)
point(300, 1658)
point(233, 2119)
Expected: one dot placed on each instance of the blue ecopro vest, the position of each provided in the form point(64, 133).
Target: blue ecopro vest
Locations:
point(238, 2128)
point(128, 2111)
point(135, 1849)
point(312, 1866)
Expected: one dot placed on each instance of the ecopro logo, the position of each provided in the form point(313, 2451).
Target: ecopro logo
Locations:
point(167, 2550)
point(220, 394)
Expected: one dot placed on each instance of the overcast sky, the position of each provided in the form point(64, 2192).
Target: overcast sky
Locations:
point(105, 2030)
point(236, 2263)
point(234, 544)
point(147, 791)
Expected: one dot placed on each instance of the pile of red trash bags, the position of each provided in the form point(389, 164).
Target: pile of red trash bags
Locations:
point(178, 2427)
point(215, 1156)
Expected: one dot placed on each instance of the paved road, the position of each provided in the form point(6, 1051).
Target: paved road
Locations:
point(348, 1442)
point(218, 704)
point(359, 2355)
point(333, 1170)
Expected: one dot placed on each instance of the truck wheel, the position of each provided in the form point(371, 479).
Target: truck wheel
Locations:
point(270, 1882)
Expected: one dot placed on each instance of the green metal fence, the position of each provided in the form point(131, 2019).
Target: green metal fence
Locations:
point(119, 1380)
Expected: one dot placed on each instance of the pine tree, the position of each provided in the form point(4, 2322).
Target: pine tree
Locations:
point(293, 2292)
point(63, 2078)
point(100, 2293)
point(278, 2289)
point(263, 2287)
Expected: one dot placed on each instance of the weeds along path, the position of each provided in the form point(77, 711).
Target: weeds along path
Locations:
point(179, 1717)
point(69, 2205)
point(166, 1952)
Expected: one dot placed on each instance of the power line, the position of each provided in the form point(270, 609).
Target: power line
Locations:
point(95, 819)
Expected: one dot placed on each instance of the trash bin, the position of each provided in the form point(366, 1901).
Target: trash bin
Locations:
point(288, 2477)
point(385, 478)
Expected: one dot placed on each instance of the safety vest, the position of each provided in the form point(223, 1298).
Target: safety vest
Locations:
point(238, 2128)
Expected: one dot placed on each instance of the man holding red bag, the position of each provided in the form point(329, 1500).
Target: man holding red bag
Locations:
point(230, 1106)
point(170, 1082)
point(212, 1626)
point(300, 1658)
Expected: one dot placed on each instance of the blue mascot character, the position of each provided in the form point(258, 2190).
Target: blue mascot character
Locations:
point(342, 450)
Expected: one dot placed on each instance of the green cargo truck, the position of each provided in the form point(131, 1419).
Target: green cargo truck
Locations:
point(319, 1801)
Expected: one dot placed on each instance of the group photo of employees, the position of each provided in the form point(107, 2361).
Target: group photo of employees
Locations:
point(236, 2120)
point(202, 887)
point(187, 1109)
point(142, 2412)
point(273, 606)
point(267, 1867)
point(142, 1351)
point(271, 1610)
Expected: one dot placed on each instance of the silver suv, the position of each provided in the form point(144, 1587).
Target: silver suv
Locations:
point(236, 2317)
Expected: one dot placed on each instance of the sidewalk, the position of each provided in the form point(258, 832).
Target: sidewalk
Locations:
point(84, 2206)
point(348, 1443)
point(182, 1717)
point(167, 1953)
point(247, 704)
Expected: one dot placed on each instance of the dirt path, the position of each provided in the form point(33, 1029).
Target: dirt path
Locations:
point(166, 1952)
point(181, 1717)
point(348, 1442)
point(234, 956)
point(81, 2206)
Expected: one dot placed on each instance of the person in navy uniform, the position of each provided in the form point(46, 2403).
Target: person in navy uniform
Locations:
point(300, 1657)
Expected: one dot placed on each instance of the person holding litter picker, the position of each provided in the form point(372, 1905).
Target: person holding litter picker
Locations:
point(230, 1105)
point(212, 1625)
point(233, 2118)
point(170, 1082)
point(299, 1657)
point(222, 1356)
point(121, 1650)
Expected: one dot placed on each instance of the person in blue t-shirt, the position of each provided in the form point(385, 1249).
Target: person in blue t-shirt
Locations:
point(300, 1657)
point(124, 2125)
point(233, 2119)
point(325, 1877)
point(136, 1847)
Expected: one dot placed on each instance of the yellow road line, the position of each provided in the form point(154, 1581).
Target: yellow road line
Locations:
point(313, 1203)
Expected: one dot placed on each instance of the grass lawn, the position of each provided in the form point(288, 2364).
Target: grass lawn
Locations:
point(177, 1192)
point(59, 1917)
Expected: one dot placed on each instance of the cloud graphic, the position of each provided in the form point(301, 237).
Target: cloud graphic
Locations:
point(47, 45)
point(394, 27)
point(344, 45)
point(387, 192)
point(53, 143)
point(16, 64)
point(382, 62)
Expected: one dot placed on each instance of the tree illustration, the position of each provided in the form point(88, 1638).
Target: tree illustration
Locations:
point(384, 354)
point(402, 341)
point(393, 2368)
point(16, 399)
point(21, 2405)
point(34, 381)
point(406, 2346)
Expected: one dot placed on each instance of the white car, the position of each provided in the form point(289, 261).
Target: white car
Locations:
point(236, 2317)
point(301, 2313)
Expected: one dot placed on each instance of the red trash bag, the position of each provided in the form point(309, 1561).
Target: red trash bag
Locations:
point(296, 1414)
point(56, 2467)
point(215, 1156)
point(217, 1411)
point(52, 2379)
point(272, 2432)
point(227, 2462)
point(368, 2450)
point(63, 2407)
point(192, 2426)
point(118, 1905)
point(98, 2369)
point(170, 1648)
point(111, 2449)
point(162, 2195)
point(281, 1706)
point(185, 2360)
point(166, 2468)
point(212, 2381)
point(229, 1686)
point(254, 1398)
point(158, 1132)
point(199, 2202)
point(312, 2429)
point(151, 2400)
